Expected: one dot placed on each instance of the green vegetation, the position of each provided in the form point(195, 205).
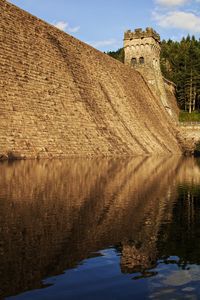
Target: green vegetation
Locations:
point(119, 54)
point(184, 116)
point(180, 63)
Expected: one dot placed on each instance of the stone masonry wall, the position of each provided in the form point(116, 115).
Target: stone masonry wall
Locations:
point(145, 45)
point(170, 90)
point(191, 130)
point(60, 97)
point(189, 135)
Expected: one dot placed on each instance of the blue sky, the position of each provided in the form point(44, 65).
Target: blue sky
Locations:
point(102, 23)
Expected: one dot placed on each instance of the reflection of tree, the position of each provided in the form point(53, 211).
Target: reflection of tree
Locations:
point(181, 237)
point(141, 254)
point(178, 229)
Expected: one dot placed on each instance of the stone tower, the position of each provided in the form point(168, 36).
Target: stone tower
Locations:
point(142, 52)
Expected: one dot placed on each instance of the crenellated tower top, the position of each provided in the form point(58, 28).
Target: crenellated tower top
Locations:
point(140, 34)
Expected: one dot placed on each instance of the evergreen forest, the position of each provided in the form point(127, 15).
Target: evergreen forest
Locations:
point(180, 63)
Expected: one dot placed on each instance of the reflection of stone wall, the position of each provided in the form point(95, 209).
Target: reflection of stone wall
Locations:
point(140, 253)
point(60, 97)
point(40, 205)
point(189, 172)
point(54, 214)
point(173, 232)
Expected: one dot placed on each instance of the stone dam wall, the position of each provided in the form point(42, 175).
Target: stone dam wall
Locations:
point(60, 97)
point(189, 133)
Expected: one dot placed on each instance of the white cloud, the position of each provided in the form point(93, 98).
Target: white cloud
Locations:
point(171, 2)
point(103, 43)
point(74, 29)
point(62, 25)
point(179, 19)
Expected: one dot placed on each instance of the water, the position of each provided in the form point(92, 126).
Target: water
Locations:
point(100, 229)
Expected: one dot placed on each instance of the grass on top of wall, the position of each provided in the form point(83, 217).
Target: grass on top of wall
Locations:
point(184, 116)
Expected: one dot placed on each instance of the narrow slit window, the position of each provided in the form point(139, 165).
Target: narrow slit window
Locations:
point(133, 61)
point(141, 60)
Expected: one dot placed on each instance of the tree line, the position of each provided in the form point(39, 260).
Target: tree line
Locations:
point(180, 63)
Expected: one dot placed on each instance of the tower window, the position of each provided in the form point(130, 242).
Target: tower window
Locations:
point(141, 60)
point(134, 61)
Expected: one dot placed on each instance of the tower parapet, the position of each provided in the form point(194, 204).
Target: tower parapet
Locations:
point(139, 34)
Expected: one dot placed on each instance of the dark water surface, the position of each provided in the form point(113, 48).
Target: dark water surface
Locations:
point(100, 229)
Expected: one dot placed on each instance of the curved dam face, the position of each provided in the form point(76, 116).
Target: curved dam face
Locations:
point(60, 97)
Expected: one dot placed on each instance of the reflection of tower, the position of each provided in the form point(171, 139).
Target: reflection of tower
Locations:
point(138, 257)
point(142, 52)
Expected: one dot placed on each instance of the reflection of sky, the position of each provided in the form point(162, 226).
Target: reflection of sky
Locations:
point(100, 278)
point(96, 278)
point(173, 282)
